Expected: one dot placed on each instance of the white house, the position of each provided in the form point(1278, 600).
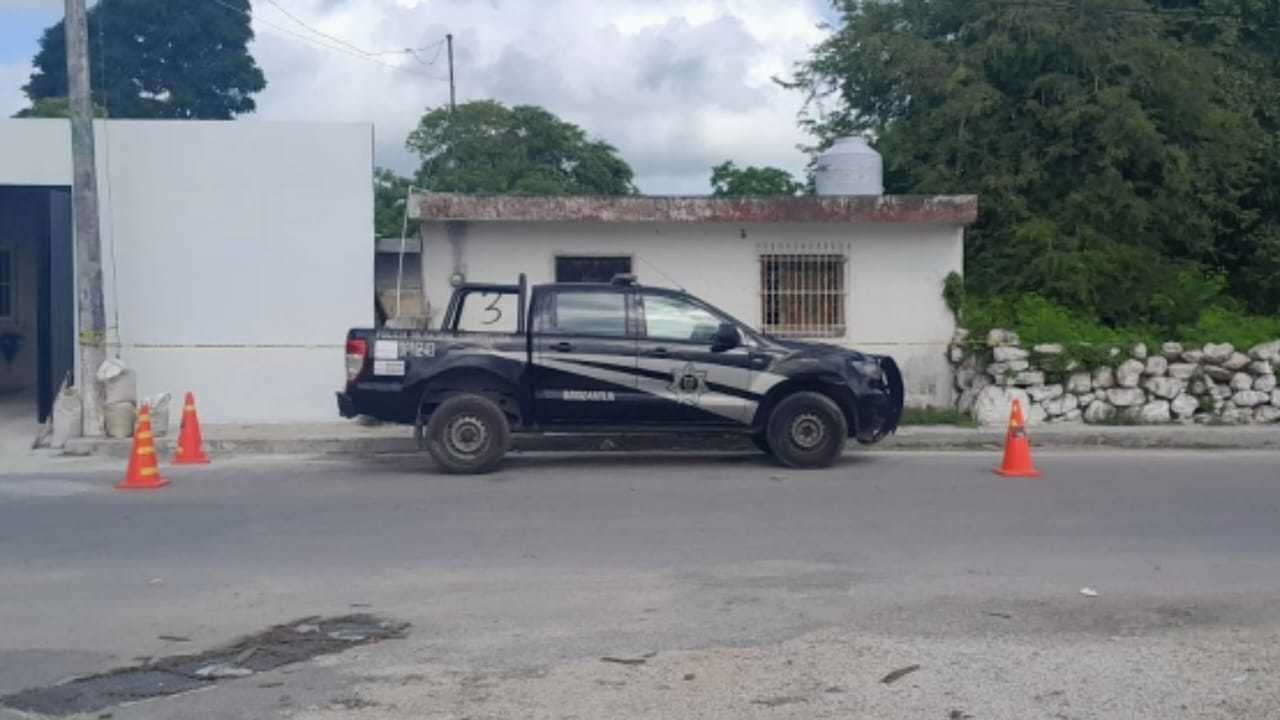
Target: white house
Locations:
point(235, 257)
point(864, 271)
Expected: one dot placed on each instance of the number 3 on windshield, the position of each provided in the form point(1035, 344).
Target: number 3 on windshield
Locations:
point(493, 308)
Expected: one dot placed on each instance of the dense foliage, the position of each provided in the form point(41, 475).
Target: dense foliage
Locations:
point(57, 107)
point(727, 180)
point(1126, 152)
point(390, 192)
point(169, 59)
point(1038, 320)
point(487, 147)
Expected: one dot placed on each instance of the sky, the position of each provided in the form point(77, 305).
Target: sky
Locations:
point(676, 85)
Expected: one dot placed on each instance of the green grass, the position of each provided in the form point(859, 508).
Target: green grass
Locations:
point(936, 416)
point(1037, 320)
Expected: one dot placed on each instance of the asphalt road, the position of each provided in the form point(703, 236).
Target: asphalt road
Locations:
point(746, 589)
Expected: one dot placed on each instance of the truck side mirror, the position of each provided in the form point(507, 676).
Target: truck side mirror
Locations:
point(727, 337)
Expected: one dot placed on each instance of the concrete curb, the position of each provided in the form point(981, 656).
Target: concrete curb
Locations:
point(357, 440)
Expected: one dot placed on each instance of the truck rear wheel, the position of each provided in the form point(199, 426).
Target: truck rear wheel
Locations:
point(807, 430)
point(467, 434)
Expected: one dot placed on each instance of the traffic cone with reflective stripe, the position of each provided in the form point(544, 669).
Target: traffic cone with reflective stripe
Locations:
point(1017, 449)
point(190, 441)
point(143, 472)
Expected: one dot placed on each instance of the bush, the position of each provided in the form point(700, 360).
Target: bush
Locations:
point(1088, 342)
point(1224, 325)
point(1037, 320)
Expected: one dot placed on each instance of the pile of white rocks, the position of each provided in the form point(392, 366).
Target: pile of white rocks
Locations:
point(1211, 384)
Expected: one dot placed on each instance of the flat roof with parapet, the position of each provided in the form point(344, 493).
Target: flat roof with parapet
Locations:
point(943, 209)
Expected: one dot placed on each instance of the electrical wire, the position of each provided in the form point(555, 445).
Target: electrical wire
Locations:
point(411, 52)
point(319, 43)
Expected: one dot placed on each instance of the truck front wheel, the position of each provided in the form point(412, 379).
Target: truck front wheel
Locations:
point(807, 430)
point(467, 434)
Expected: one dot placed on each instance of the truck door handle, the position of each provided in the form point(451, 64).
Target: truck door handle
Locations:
point(562, 346)
point(659, 352)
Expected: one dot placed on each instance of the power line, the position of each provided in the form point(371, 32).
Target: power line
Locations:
point(315, 42)
point(309, 40)
point(322, 34)
point(438, 46)
point(400, 51)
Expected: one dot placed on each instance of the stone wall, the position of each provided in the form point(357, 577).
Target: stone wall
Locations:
point(1215, 383)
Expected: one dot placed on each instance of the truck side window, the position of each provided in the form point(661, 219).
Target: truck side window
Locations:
point(671, 318)
point(582, 313)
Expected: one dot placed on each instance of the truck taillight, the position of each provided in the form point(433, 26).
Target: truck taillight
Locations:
point(357, 351)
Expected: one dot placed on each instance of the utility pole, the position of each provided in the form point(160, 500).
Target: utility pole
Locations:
point(84, 203)
point(453, 97)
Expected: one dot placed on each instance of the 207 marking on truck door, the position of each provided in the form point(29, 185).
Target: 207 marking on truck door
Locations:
point(417, 349)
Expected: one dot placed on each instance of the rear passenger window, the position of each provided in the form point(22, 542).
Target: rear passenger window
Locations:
point(583, 313)
point(489, 312)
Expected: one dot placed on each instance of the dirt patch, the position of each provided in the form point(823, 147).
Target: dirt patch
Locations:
point(272, 648)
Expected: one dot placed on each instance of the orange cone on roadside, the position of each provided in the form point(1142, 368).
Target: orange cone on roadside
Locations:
point(1017, 449)
point(190, 442)
point(143, 472)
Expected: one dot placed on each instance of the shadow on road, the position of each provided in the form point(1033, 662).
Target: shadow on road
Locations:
point(605, 460)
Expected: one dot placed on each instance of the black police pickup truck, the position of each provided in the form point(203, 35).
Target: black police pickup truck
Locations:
point(612, 358)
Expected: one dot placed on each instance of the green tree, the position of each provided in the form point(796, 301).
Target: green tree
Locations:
point(58, 107)
point(728, 179)
point(390, 192)
point(487, 147)
point(1116, 145)
point(171, 59)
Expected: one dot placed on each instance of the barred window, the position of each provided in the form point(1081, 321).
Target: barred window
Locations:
point(803, 295)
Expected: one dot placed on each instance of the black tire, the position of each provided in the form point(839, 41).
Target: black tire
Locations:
point(467, 434)
point(762, 442)
point(807, 430)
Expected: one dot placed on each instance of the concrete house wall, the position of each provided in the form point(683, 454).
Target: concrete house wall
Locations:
point(894, 272)
point(235, 254)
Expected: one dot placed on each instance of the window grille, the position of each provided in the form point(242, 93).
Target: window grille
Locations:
point(803, 292)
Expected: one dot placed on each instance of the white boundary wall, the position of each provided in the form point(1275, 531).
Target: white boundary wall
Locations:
point(236, 254)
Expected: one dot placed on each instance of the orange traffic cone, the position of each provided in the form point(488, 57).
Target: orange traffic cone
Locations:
point(143, 472)
point(190, 442)
point(1017, 449)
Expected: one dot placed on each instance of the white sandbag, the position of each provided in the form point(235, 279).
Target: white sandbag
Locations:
point(67, 421)
point(120, 384)
point(110, 369)
point(159, 405)
point(120, 419)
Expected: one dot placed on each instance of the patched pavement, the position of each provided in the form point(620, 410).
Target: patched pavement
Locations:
point(717, 585)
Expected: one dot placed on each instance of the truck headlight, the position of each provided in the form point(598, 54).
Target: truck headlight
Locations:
point(870, 369)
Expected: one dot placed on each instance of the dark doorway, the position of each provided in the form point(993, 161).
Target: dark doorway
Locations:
point(37, 295)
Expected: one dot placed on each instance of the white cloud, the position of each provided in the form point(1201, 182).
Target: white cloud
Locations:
point(676, 85)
